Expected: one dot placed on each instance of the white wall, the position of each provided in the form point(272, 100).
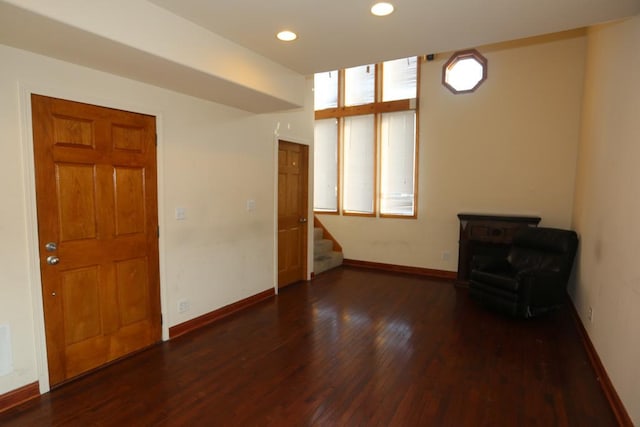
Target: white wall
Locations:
point(211, 160)
point(142, 41)
point(510, 148)
point(607, 206)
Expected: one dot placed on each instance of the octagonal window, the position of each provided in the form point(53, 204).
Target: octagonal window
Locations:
point(465, 71)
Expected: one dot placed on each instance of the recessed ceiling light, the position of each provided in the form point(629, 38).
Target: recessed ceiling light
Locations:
point(382, 9)
point(286, 36)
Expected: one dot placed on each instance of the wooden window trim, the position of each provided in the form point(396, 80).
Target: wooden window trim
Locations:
point(338, 172)
point(368, 215)
point(362, 110)
point(337, 212)
point(340, 97)
point(376, 159)
point(416, 160)
point(376, 108)
point(416, 175)
point(397, 216)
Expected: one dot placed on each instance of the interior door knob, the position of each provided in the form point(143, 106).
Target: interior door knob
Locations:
point(303, 220)
point(52, 260)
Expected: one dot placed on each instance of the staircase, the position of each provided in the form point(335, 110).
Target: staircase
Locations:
point(324, 255)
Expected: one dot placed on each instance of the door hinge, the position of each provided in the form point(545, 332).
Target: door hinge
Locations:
point(156, 139)
point(158, 232)
point(161, 320)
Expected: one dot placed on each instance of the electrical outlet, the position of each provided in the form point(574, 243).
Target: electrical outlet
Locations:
point(183, 306)
point(590, 314)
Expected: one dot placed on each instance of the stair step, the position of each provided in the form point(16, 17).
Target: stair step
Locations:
point(326, 262)
point(317, 233)
point(321, 247)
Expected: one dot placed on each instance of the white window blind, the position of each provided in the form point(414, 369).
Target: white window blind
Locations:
point(325, 90)
point(400, 79)
point(397, 164)
point(325, 167)
point(359, 86)
point(359, 151)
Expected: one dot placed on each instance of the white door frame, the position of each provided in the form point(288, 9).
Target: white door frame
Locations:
point(276, 140)
point(33, 273)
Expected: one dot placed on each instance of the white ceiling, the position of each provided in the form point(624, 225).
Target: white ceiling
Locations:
point(226, 51)
point(340, 33)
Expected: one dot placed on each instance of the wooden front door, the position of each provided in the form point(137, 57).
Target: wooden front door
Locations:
point(98, 233)
point(293, 174)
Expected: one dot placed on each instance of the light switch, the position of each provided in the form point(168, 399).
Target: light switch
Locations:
point(251, 205)
point(181, 214)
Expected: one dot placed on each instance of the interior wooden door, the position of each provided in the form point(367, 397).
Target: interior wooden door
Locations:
point(97, 209)
point(293, 160)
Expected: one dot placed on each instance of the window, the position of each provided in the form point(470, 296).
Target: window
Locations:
point(400, 79)
point(464, 71)
point(359, 85)
point(359, 164)
point(365, 139)
point(326, 166)
point(325, 94)
point(397, 160)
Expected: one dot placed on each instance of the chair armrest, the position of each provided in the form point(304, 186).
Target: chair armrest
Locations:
point(490, 264)
point(542, 287)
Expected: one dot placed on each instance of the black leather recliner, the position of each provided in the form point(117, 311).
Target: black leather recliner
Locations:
point(532, 279)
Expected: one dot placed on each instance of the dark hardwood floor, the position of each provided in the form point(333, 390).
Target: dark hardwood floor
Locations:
point(352, 348)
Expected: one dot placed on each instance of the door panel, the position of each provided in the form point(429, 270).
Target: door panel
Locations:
point(72, 131)
point(81, 300)
point(75, 186)
point(97, 200)
point(133, 299)
point(129, 196)
point(292, 212)
point(128, 138)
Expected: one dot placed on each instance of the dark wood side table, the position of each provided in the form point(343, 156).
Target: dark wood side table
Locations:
point(486, 235)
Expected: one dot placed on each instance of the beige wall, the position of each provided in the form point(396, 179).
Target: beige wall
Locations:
point(212, 159)
point(607, 206)
point(508, 148)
